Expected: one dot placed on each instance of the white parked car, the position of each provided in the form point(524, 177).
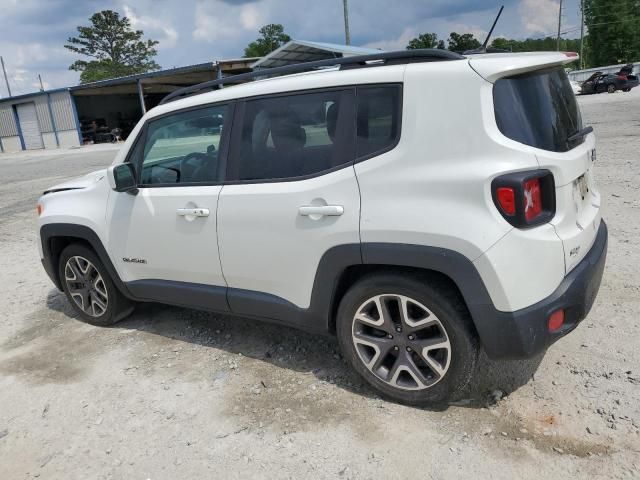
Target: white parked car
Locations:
point(419, 205)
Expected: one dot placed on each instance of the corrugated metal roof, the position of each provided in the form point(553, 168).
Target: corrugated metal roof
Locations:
point(158, 73)
point(299, 51)
point(32, 94)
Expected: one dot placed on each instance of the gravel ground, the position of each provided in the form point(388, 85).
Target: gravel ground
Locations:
point(176, 393)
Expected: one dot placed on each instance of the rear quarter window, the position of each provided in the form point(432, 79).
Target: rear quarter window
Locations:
point(538, 109)
point(378, 119)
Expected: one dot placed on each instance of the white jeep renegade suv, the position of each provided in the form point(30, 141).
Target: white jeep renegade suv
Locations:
point(419, 205)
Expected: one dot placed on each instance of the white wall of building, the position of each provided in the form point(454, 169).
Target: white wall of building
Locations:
point(11, 144)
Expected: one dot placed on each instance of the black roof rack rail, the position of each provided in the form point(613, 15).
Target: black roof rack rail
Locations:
point(386, 58)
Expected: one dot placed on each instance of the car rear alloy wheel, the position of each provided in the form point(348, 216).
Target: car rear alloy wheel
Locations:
point(401, 342)
point(86, 286)
point(611, 88)
point(409, 335)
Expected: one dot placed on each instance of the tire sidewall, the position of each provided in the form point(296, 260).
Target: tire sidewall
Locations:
point(464, 349)
point(110, 315)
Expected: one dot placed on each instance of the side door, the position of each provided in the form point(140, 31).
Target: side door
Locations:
point(291, 195)
point(163, 240)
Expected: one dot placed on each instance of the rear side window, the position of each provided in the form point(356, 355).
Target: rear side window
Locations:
point(538, 109)
point(378, 119)
point(292, 136)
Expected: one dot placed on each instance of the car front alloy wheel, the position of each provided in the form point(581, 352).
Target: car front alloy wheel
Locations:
point(86, 286)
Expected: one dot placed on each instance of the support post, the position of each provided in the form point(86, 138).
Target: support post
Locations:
point(141, 96)
point(219, 74)
point(582, 36)
point(347, 33)
point(559, 26)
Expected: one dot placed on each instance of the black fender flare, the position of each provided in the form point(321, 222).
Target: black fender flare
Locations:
point(51, 231)
point(457, 267)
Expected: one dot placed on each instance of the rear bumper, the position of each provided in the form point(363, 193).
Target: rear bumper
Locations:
point(524, 333)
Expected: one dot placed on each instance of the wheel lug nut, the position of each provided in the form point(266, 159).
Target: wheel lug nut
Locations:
point(409, 349)
point(398, 329)
point(389, 336)
point(395, 348)
point(411, 337)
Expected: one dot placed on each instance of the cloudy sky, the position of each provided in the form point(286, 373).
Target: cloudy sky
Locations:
point(33, 32)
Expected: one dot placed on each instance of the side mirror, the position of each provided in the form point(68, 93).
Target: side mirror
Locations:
point(122, 178)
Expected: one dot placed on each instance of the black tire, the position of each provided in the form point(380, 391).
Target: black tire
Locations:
point(626, 89)
point(117, 305)
point(441, 300)
point(611, 88)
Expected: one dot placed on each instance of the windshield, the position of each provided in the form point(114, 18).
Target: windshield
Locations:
point(538, 109)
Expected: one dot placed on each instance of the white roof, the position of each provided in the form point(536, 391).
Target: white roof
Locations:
point(298, 51)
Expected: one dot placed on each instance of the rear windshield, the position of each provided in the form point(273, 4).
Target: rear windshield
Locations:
point(538, 109)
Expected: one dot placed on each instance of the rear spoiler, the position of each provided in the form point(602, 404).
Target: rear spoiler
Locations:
point(491, 66)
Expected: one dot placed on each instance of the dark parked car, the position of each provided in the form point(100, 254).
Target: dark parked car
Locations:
point(610, 82)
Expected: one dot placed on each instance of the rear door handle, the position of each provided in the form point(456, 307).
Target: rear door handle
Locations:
point(193, 212)
point(326, 210)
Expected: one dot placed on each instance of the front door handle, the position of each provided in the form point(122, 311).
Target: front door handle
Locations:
point(193, 212)
point(324, 210)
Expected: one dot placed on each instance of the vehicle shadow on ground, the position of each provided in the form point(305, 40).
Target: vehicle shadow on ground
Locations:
point(295, 350)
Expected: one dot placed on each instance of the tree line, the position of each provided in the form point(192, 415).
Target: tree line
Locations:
point(115, 49)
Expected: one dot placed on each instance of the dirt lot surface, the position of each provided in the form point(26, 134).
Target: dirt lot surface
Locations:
point(174, 393)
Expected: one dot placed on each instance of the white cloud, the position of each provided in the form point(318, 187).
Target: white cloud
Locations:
point(24, 61)
point(153, 25)
point(250, 17)
point(213, 21)
point(539, 16)
point(398, 43)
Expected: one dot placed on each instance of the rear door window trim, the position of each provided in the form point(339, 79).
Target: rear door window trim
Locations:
point(239, 115)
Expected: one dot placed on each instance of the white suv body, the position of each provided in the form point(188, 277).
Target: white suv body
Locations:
point(276, 198)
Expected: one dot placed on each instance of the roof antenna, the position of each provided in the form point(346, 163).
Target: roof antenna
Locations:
point(483, 48)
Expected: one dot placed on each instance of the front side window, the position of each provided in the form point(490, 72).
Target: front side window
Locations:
point(294, 135)
point(378, 119)
point(538, 109)
point(183, 147)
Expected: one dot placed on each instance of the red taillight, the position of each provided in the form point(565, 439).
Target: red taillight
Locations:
point(570, 54)
point(556, 320)
point(525, 199)
point(532, 199)
point(507, 200)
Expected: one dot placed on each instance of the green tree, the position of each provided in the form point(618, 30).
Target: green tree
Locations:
point(461, 43)
point(272, 37)
point(614, 31)
point(116, 48)
point(535, 44)
point(547, 44)
point(426, 40)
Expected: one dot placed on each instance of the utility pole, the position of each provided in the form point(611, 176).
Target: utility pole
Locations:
point(559, 26)
point(582, 36)
point(41, 87)
point(6, 80)
point(347, 34)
